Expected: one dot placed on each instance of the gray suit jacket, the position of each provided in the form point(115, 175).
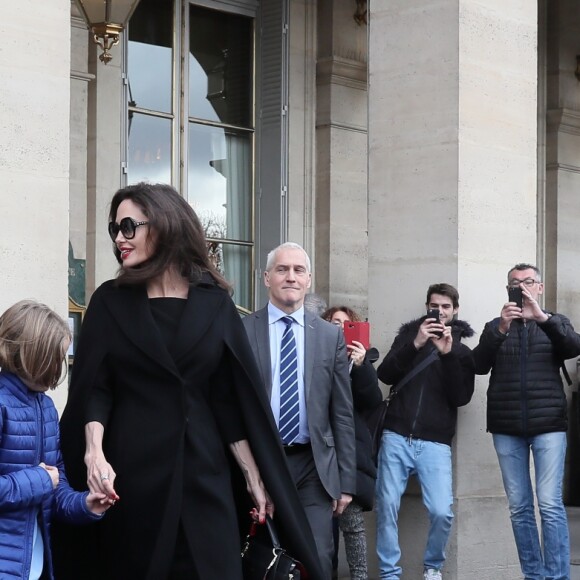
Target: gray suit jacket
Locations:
point(328, 396)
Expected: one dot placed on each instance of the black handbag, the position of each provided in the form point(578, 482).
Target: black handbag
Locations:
point(376, 418)
point(264, 559)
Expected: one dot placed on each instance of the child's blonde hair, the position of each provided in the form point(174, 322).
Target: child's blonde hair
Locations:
point(32, 343)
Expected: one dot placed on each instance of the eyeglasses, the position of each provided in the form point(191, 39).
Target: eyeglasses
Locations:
point(528, 282)
point(127, 226)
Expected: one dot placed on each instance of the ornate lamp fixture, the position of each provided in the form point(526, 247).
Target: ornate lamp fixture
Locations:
point(106, 20)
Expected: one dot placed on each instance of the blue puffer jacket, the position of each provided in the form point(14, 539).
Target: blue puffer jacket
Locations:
point(25, 489)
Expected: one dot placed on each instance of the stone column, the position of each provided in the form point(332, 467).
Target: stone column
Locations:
point(341, 157)
point(106, 111)
point(34, 152)
point(79, 87)
point(562, 211)
point(301, 137)
point(452, 197)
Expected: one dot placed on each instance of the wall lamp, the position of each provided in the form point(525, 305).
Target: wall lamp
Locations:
point(106, 19)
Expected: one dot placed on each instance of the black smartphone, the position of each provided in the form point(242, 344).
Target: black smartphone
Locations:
point(515, 295)
point(434, 313)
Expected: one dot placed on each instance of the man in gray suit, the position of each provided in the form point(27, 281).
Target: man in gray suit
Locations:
point(304, 365)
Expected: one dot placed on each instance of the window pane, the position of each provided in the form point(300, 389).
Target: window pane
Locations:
point(235, 263)
point(220, 67)
point(149, 149)
point(219, 181)
point(150, 56)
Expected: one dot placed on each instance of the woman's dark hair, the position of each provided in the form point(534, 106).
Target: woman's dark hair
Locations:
point(175, 231)
point(354, 317)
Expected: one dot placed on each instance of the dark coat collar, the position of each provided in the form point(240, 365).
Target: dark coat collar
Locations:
point(129, 306)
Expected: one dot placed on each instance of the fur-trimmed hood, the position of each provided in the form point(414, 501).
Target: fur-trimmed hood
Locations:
point(457, 327)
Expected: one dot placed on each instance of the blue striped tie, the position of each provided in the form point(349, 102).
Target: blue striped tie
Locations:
point(289, 425)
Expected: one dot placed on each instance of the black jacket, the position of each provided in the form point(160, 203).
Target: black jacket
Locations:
point(525, 395)
point(426, 407)
point(366, 395)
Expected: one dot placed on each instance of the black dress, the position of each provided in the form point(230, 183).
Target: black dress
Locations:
point(167, 313)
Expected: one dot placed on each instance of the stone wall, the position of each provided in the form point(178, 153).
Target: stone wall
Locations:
point(34, 152)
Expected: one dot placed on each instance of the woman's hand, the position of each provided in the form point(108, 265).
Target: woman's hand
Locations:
point(100, 473)
point(245, 459)
point(262, 500)
point(356, 352)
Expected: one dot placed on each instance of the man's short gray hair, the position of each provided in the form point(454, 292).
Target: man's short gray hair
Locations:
point(522, 266)
point(285, 246)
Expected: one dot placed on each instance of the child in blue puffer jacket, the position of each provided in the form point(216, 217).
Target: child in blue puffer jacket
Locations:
point(33, 486)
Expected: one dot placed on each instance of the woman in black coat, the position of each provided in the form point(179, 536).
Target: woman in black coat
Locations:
point(164, 394)
point(366, 395)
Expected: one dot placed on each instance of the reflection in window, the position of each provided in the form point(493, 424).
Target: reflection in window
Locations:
point(149, 149)
point(150, 56)
point(235, 263)
point(220, 67)
point(220, 184)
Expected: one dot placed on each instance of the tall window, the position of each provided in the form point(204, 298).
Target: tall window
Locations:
point(191, 121)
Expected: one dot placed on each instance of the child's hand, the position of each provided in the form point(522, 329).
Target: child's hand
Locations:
point(53, 472)
point(99, 503)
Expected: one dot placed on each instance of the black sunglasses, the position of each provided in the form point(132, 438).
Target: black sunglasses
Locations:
point(127, 226)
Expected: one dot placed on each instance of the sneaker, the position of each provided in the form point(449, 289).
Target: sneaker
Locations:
point(432, 574)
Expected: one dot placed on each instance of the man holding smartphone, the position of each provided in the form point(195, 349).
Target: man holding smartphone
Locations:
point(526, 410)
point(432, 374)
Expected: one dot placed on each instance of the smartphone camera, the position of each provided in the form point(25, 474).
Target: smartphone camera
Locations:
point(515, 295)
point(434, 313)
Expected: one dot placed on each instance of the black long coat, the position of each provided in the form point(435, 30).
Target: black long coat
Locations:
point(366, 396)
point(169, 449)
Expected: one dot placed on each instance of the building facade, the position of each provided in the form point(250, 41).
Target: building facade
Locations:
point(401, 143)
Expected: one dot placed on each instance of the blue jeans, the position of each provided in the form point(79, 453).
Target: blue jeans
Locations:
point(549, 451)
point(399, 458)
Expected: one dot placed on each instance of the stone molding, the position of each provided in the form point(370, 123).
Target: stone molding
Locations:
point(342, 71)
point(563, 120)
point(344, 127)
point(563, 167)
point(81, 76)
point(78, 22)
